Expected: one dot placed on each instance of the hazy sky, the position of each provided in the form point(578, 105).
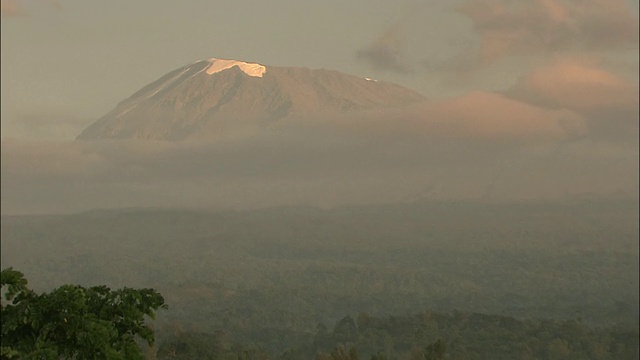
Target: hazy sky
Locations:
point(528, 99)
point(80, 58)
point(71, 61)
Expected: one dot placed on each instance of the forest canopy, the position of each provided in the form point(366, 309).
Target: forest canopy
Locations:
point(74, 322)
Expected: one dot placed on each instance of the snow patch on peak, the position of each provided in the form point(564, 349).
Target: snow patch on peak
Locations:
point(370, 79)
point(251, 69)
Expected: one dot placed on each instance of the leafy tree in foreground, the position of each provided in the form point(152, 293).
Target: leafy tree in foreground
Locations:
point(74, 322)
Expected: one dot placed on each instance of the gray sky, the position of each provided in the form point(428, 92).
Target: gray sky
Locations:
point(529, 99)
point(73, 60)
point(80, 58)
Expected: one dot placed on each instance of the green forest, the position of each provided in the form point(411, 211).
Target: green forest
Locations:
point(422, 336)
point(421, 280)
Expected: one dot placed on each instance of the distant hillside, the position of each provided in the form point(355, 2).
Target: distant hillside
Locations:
point(554, 260)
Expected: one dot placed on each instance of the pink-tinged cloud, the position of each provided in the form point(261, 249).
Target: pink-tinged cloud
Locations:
point(13, 8)
point(9, 8)
point(555, 11)
point(485, 115)
point(477, 116)
point(579, 85)
point(508, 27)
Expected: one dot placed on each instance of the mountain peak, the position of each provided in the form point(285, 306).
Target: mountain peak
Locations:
point(215, 98)
point(251, 69)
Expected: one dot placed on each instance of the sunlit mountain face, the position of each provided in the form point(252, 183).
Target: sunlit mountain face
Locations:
point(222, 98)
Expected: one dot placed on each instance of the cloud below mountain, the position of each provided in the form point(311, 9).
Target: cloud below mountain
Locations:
point(410, 156)
point(577, 84)
point(607, 101)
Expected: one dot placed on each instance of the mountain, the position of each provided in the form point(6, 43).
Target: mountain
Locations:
point(218, 97)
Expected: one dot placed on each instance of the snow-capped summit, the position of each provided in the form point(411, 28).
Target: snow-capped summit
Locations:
point(251, 69)
point(216, 98)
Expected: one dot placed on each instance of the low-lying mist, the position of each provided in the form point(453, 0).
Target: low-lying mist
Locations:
point(314, 163)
